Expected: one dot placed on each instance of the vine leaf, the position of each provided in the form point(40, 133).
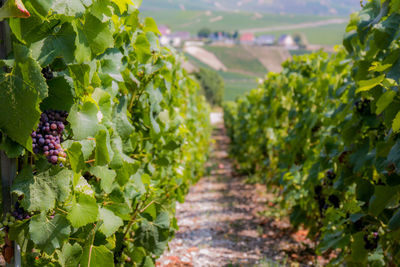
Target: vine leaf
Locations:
point(60, 44)
point(70, 255)
point(367, 85)
point(41, 192)
point(21, 92)
point(71, 8)
point(75, 156)
point(384, 101)
point(61, 94)
point(111, 222)
point(396, 123)
point(122, 4)
point(106, 175)
point(98, 34)
point(381, 198)
point(103, 148)
point(97, 256)
point(49, 234)
point(83, 210)
point(84, 122)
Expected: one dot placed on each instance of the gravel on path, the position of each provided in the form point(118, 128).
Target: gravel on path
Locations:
point(220, 222)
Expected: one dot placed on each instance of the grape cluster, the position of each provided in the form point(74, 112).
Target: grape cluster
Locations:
point(19, 213)
point(48, 136)
point(371, 241)
point(47, 73)
point(8, 220)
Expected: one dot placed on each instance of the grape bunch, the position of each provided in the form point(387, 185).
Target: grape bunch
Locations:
point(47, 73)
point(8, 220)
point(19, 213)
point(48, 136)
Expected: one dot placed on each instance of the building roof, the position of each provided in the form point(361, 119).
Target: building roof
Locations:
point(247, 37)
point(181, 34)
point(164, 30)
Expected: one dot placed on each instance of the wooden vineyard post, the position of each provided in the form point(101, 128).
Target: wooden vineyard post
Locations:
point(8, 166)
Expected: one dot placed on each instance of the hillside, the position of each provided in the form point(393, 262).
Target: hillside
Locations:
point(303, 7)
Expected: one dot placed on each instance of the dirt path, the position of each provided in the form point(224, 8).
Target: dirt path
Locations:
point(221, 222)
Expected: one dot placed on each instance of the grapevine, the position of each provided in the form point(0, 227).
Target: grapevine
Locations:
point(325, 133)
point(108, 131)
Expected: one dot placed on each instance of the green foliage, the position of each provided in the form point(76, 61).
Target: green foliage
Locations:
point(325, 131)
point(212, 84)
point(204, 33)
point(137, 138)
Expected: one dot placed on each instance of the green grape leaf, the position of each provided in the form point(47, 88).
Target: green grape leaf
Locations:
point(396, 123)
point(83, 210)
point(61, 94)
point(82, 52)
point(22, 90)
point(111, 222)
point(59, 44)
point(80, 74)
point(103, 148)
point(70, 255)
point(98, 34)
point(97, 256)
point(43, 190)
point(384, 101)
point(150, 25)
point(49, 234)
point(75, 157)
point(123, 125)
point(381, 198)
point(394, 222)
point(84, 121)
point(101, 10)
point(147, 262)
point(358, 252)
point(369, 84)
point(142, 48)
point(70, 8)
point(106, 175)
point(162, 220)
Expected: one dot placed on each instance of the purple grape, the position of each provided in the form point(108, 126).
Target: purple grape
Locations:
point(54, 159)
point(51, 126)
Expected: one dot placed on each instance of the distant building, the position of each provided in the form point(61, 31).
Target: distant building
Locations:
point(265, 40)
point(287, 41)
point(247, 38)
point(175, 39)
point(164, 30)
point(182, 35)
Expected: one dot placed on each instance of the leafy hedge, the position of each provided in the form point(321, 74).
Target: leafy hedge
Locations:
point(326, 132)
point(137, 137)
point(212, 85)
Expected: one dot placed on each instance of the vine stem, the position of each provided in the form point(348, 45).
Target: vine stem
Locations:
point(135, 214)
point(8, 166)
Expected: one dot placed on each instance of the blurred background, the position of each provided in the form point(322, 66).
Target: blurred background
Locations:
point(231, 43)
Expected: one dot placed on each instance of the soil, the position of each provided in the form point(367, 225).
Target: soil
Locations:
point(223, 222)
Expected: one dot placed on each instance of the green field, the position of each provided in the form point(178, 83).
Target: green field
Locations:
point(244, 69)
point(323, 35)
point(193, 20)
point(237, 59)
